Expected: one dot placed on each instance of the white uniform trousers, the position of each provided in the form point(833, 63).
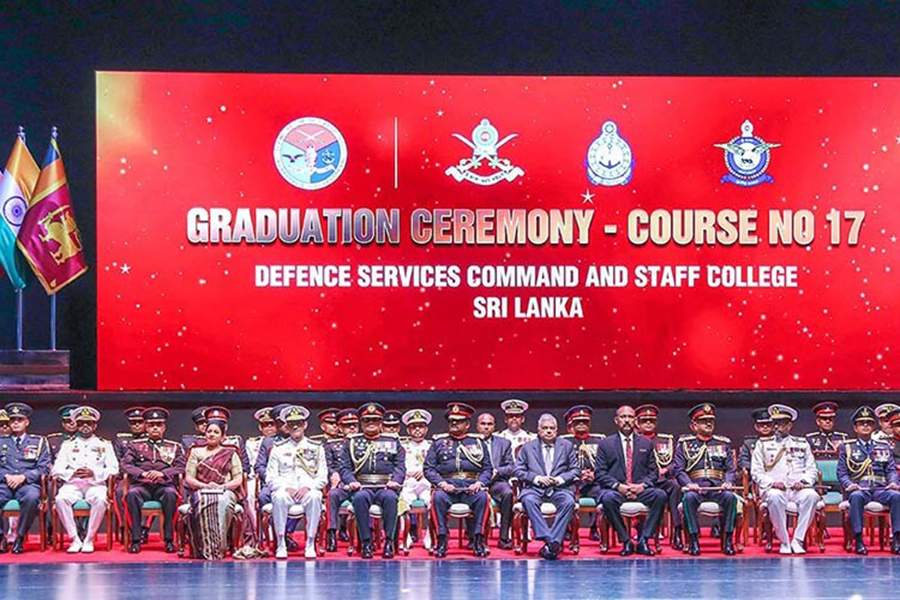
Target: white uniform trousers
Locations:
point(416, 490)
point(805, 499)
point(75, 490)
point(312, 509)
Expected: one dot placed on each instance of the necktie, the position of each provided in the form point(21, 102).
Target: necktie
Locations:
point(19, 443)
point(548, 459)
point(628, 460)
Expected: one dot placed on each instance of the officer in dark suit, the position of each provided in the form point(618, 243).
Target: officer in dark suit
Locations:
point(373, 467)
point(69, 430)
point(548, 469)
point(762, 422)
point(459, 466)
point(867, 472)
point(348, 422)
point(825, 441)
point(626, 471)
point(24, 459)
point(502, 465)
point(153, 466)
point(704, 460)
point(664, 454)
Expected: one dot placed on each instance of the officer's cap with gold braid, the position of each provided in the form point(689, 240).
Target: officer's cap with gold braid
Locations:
point(85, 413)
point(155, 413)
point(276, 411)
point(459, 410)
point(646, 411)
point(416, 415)
point(65, 411)
point(371, 410)
point(134, 413)
point(825, 409)
point(4, 416)
point(329, 415)
point(580, 412)
point(864, 413)
point(781, 411)
point(198, 415)
point(392, 417)
point(706, 410)
point(292, 414)
point(347, 416)
point(218, 413)
point(18, 409)
point(883, 410)
point(513, 406)
point(264, 415)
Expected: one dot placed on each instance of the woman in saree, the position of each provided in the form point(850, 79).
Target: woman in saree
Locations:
point(214, 475)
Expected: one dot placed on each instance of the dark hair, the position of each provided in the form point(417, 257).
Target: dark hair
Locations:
point(221, 424)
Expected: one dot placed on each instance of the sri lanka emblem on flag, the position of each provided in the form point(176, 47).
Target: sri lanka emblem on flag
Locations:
point(49, 237)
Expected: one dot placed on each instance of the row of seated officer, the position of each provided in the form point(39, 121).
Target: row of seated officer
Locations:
point(376, 467)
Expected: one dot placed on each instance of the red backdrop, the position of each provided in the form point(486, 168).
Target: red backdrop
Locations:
point(172, 315)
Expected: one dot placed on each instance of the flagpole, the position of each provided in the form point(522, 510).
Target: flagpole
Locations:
point(19, 300)
point(54, 132)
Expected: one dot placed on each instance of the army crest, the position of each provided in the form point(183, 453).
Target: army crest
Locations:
point(609, 160)
point(747, 157)
point(485, 167)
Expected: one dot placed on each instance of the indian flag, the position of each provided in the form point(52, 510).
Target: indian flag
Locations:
point(16, 187)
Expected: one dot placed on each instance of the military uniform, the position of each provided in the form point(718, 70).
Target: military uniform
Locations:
point(868, 464)
point(515, 407)
point(706, 463)
point(460, 462)
point(27, 455)
point(338, 494)
point(373, 463)
point(826, 445)
point(787, 460)
point(144, 455)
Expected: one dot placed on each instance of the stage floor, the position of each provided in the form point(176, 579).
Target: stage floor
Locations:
point(794, 578)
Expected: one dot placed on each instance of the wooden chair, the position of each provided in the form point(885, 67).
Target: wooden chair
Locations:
point(183, 529)
point(404, 525)
point(151, 509)
point(461, 512)
point(12, 508)
point(295, 511)
point(81, 509)
point(814, 534)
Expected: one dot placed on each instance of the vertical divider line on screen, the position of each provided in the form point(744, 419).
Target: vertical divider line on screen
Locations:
point(396, 152)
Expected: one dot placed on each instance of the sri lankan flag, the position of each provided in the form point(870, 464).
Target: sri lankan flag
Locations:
point(49, 237)
point(16, 187)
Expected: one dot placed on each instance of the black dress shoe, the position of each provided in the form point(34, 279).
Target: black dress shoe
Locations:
point(343, 535)
point(595, 534)
point(714, 531)
point(440, 550)
point(860, 546)
point(330, 541)
point(388, 548)
point(546, 553)
point(292, 545)
point(693, 545)
point(170, 547)
point(627, 548)
point(134, 548)
point(643, 548)
point(367, 550)
point(728, 549)
point(504, 544)
point(4, 545)
point(556, 549)
point(145, 534)
point(18, 546)
point(478, 547)
point(677, 541)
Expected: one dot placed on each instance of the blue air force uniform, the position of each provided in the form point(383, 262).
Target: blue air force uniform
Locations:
point(868, 464)
point(27, 455)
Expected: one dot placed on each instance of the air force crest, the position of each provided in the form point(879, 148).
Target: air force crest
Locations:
point(485, 167)
point(747, 158)
point(609, 158)
point(310, 153)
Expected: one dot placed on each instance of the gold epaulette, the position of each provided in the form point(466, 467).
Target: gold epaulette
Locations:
point(391, 434)
point(439, 436)
point(760, 439)
point(279, 442)
point(254, 438)
point(662, 435)
point(722, 438)
point(314, 442)
point(687, 437)
point(124, 434)
point(54, 435)
point(355, 435)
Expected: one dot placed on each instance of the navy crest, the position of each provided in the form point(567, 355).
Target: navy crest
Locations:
point(747, 157)
point(609, 160)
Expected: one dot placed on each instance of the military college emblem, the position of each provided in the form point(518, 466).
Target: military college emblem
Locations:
point(310, 153)
point(609, 158)
point(747, 158)
point(485, 167)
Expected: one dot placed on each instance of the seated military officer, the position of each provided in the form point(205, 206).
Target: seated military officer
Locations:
point(514, 410)
point(578, 424)
point(883, 412)
point(825, 441)
point(198, 417)
point(895, 440)
point(4, 423)
point(762, 422)
point(459, 466)
point(67, 430)
point(24, 459)
point(784, 469)
point(704, 460)
point(391, 422)
point(663, 453)
point(867, 472)
point(84, 464)
point(333, 442)
point(415, 486)
point(348, 423)
point(373, 467)
point(153, 465)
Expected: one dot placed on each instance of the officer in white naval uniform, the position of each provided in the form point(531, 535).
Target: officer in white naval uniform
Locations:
point(84, 463)
point(514, 410)
point(785, 470)
point(415, 486)
point(297, 472)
